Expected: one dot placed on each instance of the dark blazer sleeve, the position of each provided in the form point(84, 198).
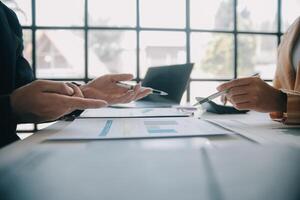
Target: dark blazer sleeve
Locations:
point(15, 71)
point(8, 124)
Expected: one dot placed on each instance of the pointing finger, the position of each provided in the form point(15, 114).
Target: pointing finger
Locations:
point(143, 94)
point(77, 103)
point(125, 98)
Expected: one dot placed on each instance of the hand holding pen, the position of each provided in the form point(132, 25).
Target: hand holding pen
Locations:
point(224, 98)
point(221, 92)
point(252, 93)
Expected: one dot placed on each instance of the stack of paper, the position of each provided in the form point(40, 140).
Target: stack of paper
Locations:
point(97, 128)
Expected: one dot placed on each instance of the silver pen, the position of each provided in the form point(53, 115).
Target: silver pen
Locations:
point(211, 97)
point(215, 95)
point(131, 87)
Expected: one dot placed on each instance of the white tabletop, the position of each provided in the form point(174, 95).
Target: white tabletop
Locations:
point(252, 127)
point(170, 168)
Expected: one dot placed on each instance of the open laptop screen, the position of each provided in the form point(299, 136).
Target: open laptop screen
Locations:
point(172, 79)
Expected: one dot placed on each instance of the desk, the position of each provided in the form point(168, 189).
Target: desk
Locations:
point(12, 154)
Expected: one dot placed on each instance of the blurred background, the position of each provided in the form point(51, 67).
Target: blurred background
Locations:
point(78, 40)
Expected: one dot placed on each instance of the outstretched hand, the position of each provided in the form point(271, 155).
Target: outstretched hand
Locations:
point(106, 88)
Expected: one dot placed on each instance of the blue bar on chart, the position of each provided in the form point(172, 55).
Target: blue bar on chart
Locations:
point(106, 128)
point(159, 126)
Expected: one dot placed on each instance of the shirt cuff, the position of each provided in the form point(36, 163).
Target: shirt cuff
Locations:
point(292, 114)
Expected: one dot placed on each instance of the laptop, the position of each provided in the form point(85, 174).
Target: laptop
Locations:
point(172, 79)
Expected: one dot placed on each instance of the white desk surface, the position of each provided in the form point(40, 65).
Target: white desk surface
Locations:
point(261, 129)
point(35, 168)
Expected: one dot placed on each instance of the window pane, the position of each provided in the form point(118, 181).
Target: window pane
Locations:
point(44, 125)
point(290, 11)
point(112, 52)
point(213, 55)
point(257, 15)
point(22, 8)
point(25, 127)
point(60, 54)
point(204, 89)
point(60, 12)
point(27, 41)
point(22, 136)
point(213, 14)
point(112, 13)
point(161, 48)
point(257, 54)
point(162, 14)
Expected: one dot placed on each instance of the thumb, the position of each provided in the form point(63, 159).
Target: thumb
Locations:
point(78, 103)
point(121, 77)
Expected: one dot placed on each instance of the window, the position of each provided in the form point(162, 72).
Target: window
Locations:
point(82, 39)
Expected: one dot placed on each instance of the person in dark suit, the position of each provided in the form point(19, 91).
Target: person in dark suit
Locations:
point(26, 100)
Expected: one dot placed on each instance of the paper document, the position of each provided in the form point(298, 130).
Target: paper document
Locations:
point(97, 128)
point(261, 130)
point(133, 113)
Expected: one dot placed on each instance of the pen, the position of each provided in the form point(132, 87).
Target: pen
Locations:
point(215, 95)
point(131, 87)
point(211, 97)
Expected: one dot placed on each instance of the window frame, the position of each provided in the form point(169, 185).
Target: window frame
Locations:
point(187, 30)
